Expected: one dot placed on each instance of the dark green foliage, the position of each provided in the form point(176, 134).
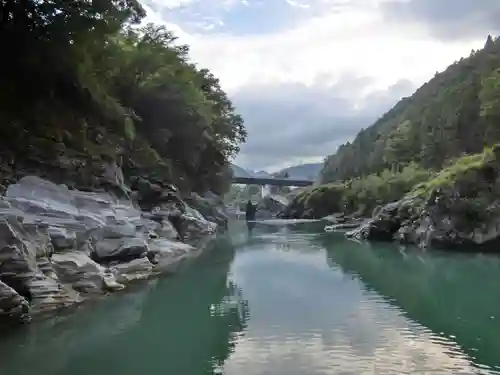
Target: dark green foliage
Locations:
point(467, 189)
point(456, 112)
point(365, 194)
point(86, 82)
point(359, 195)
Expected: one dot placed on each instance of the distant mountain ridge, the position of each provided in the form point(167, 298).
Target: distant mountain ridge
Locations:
point(262, 174)
point(240, 172)
point(309, 171)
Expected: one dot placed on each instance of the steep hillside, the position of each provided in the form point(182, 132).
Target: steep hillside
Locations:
point(427, 172)
point(456, 112)
point(302, 172)
point(83, 85)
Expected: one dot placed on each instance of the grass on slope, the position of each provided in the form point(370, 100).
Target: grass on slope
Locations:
point(470, 176)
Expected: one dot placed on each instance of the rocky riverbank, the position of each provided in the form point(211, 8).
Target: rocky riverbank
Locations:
point(60, 247)
point(457, 208)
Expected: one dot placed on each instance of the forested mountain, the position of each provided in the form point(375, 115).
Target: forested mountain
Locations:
point(262, 174)
point(456, 112)
point(298, 172)
point(81, 82)
point(443, 140)
point(309, 171)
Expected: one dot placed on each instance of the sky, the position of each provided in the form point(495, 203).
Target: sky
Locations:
point(307, 75)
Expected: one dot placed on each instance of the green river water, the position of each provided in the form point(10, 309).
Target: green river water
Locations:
point(289, 300)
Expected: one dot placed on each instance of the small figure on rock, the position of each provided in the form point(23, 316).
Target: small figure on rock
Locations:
point(177, 220)
point(251, 210)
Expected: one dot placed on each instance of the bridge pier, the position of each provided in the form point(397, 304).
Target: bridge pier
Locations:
point(264, 190)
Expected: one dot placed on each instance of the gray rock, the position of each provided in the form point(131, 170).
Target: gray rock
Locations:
point(381, 227)
point(211, 207)
point(167, 255)
point(48, 294)
point(83, 274)
point(20, 270)
point(62, 238)
point(12, 305)
point(137, 269)
point(52, 240)
point(120, 249)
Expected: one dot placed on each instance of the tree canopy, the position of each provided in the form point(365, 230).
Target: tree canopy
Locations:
point(441, 135)
point(457, 112)
point(88, 79)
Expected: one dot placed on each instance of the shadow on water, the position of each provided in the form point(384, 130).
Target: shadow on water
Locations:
point(454, 295)
point(186, 324)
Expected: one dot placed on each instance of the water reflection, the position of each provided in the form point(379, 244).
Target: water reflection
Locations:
point(287, 301)
point(453, 295)
point(50, 346)
point(312, 317)
point(187, 324)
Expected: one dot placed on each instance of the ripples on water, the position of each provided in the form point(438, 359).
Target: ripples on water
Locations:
point(286, 300)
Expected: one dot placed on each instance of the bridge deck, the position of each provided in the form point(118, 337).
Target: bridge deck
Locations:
point(271, 181)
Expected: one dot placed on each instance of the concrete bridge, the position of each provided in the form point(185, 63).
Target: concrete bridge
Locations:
point(271, 181)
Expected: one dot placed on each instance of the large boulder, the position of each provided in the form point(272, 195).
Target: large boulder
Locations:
point(83, 274)
point(58, 246)
point(459, 209)
point(134, 270)
point(19, 250)
point(270, 206)
point(119, 249)
point(189, 222)
point(211, 207)
point(450, 221)
point(382, 227)
point(166, 255)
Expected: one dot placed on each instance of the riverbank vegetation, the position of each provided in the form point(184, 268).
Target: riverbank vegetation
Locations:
point(441, 136)
point(89, 81)
point(360, 195)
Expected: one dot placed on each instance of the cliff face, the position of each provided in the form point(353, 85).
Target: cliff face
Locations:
point(59, 247)
point(127, 125)
point(457, 209)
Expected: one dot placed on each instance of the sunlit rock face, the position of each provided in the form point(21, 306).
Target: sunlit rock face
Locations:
point(60, 246)
point(211, 207)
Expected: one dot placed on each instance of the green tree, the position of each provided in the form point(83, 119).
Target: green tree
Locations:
point(490, 108)
point(456, 112)
point(93, 83)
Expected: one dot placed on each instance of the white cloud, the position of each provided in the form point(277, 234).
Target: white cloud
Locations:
point(356, 42)
point(333, 40)
point(297, 4)
point(294, 123)
point(358, 335)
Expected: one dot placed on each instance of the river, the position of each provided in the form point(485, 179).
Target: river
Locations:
point(289, 300)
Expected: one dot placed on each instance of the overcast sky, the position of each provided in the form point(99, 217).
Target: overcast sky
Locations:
point(307, 75)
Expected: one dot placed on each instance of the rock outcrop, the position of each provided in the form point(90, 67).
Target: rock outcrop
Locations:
point(211, 207)
point(271, 206)
point(459, 210)
point(59, 247)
